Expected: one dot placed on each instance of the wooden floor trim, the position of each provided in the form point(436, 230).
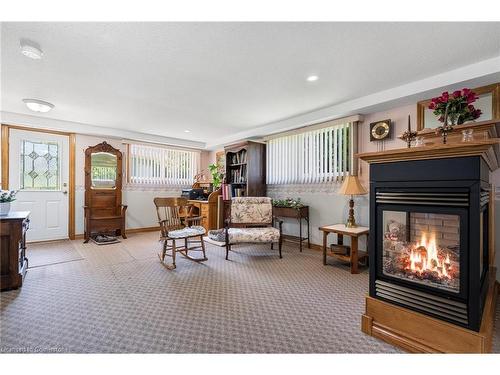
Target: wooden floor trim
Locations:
point(153, 229)
point(294, 240)
point(80, 235)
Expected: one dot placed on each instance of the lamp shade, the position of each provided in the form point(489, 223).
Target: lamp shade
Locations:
point(352, 186)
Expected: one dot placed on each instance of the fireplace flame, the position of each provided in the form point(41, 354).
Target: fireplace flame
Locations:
point(425, 258)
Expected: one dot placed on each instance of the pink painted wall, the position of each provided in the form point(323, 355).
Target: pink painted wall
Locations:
point(399, 118)
point(205, 161)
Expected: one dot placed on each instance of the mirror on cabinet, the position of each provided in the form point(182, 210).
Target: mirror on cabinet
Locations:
point(103, 170)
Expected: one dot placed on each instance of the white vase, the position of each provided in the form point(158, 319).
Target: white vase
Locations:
point(4, 208)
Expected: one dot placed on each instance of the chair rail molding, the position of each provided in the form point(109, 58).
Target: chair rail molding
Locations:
point(277, 190)
point(159, 188)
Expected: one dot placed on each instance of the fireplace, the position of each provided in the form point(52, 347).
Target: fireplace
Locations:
point(422, 247)
point(429, 242)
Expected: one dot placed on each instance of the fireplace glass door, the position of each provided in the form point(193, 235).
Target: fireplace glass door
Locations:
point(422, 248)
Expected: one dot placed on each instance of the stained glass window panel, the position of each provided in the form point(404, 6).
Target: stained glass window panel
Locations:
point(40, 163)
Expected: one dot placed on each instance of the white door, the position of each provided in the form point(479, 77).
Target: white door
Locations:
point(39, 169)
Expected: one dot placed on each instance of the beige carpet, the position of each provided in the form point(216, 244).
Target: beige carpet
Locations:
point(120, 299)
point(43, 254)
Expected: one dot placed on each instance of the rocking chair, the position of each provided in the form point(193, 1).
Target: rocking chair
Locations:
point(177, 224)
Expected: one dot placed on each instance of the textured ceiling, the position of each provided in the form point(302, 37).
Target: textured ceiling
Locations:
point(215, 79)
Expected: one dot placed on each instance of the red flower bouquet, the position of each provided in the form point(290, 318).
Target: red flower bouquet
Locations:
point(457, 106)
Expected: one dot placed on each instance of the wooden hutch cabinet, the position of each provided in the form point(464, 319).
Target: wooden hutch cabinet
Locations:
point(245, 174)
point(104, 211)
point(246, 169)
point(13, 260)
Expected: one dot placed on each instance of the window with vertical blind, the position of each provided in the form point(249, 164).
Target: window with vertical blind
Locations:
point(162, 166)
point(315, 156)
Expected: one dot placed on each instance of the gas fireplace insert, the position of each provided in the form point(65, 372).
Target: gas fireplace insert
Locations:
point(429, 236)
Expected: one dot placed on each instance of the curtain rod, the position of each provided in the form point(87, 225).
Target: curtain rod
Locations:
point(317, 126)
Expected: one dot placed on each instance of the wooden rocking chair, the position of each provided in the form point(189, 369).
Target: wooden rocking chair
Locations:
point(177, 224)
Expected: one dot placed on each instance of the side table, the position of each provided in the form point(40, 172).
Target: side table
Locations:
point(296, 213)
point(354, 233)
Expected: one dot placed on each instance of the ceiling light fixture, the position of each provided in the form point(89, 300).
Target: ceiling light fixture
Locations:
point(31, 50)
point(187, 131)
point(312, 78)
point(38, 105)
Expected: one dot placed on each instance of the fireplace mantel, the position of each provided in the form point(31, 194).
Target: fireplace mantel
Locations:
point(484, 148)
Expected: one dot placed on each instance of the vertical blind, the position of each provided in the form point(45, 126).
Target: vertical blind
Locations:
point(316, 156)
point(162, 166)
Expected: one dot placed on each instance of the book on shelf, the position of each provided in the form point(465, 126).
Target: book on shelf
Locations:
point(239, 157)
point(239, 192)
point(225, 191)
point(239, 176)
point(230, 191)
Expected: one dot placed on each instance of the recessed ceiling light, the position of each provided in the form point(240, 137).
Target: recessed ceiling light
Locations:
point(312, 78)
point(38, 105)
point(31, 50)
point(187, 131)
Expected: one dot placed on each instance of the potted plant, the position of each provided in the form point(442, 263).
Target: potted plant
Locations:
point(216, 176)
point(6, 196)
point(288, 203)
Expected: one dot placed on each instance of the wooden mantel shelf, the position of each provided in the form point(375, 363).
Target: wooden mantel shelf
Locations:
point(484, 148)
point(489, 126)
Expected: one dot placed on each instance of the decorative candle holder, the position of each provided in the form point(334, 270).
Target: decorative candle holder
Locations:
point(409, 136)
point(444, 130)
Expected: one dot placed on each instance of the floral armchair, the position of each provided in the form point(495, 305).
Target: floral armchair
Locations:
point(251, 221)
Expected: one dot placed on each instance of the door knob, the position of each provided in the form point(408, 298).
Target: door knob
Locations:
point(65, 192)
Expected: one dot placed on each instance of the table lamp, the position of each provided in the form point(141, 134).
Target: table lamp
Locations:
point(352, 186)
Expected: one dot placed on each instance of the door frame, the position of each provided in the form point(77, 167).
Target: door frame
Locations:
point(71, 188)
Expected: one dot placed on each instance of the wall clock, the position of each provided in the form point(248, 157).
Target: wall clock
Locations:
point(380, 130)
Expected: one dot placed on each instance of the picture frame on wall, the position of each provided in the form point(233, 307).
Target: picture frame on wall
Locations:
point(488, 103)
point(220, 160)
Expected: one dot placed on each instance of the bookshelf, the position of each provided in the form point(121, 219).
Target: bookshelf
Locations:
point(245, 170)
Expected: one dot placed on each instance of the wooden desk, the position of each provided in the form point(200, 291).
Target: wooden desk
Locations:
point(354, 233)
point(208, 210)
point(202, 208)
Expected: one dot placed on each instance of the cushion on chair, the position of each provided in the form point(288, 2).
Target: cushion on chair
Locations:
point(218, 235)
point(253, 235)
point(252, 210)
point(187, 232)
